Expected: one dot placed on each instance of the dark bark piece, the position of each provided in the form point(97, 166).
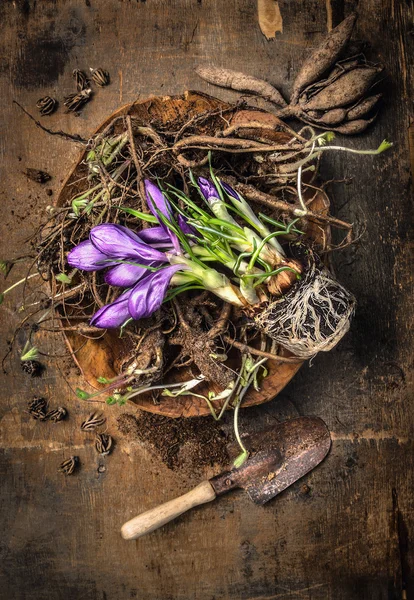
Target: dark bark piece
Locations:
point(344, 90)
point(241, 82)
point(324, 56)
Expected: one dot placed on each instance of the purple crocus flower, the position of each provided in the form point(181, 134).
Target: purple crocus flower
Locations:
point(121, 243)
point(87, 257)
point(185, 227)
point(114, 314)
point(227, 188)
point(119, 247)
point(208, 189)
point(157, 237)
point(126, 275)
point(159, 204)
point(148, 295)
point(139, 302)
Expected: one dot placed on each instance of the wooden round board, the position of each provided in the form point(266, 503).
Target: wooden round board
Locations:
point(102, 357)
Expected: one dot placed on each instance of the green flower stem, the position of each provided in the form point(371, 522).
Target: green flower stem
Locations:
point(210, 279)
point(381, 148)
point(251, 374)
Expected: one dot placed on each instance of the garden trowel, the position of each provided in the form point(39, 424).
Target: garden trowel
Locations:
point(279, 456)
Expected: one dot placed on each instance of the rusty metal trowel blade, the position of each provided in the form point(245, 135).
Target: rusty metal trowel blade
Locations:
point(280, 455)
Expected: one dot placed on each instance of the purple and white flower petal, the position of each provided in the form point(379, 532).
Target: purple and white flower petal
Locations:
point(148, 295)
point(157, 201)
point(120, 242)
point(155, 236)
point(208, 189)
point(185, 227)
point(159, 204)
point(125, 275)
point(87, 257)
point(114, 314)
point(229, 190)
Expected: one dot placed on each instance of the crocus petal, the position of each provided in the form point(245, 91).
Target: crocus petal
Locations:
point(156, 200)
point(120, 242)
point(159, 204)
point(208, 189)
point(114, 314)
point(148, 295)
point(155, 236)
point(227, 188)
point(87, 257)
point(124, 275)
point(185, 227)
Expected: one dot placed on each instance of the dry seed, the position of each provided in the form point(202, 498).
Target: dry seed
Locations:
point(100, 77)
point(75, 102)
point(93, 421)
point(47, 105)
point(32, 368)
point(68, 466)
point(37, 409)
point(81, 80)
point(103, 443)
point(58, 414)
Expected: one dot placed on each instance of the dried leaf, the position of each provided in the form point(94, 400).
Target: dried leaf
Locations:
point(270, 18)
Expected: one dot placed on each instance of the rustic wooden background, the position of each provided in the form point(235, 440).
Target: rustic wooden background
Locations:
point(346, 535)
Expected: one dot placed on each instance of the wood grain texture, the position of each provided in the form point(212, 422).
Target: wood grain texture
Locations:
point(344, 536)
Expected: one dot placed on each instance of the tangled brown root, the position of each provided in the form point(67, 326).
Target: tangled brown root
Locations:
point(313, 316)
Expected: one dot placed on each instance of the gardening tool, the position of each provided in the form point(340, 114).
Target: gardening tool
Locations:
point(279, 456)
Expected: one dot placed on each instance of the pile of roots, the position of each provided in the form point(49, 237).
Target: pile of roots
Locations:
point(258, 156)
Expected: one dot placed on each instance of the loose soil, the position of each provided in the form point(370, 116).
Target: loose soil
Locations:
point(183, 444)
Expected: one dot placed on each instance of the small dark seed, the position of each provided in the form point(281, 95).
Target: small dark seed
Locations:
point(32, 368)
point(47, 105)
point(93, 421)
point(103, 443)
point(58, 414)
point(81, 80)
point(100, 77)
point(68, 466)
point(75, 102)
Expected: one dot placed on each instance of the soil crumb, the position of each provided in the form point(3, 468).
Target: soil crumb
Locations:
point(182, 444)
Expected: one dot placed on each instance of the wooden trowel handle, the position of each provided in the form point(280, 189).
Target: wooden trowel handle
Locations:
point(159, 516)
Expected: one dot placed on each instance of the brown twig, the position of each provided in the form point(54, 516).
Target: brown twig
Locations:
point(140, 179)
point(251, 193)
point(73, 137)
point(236, 145)
point(221, 323)
point(245, 348)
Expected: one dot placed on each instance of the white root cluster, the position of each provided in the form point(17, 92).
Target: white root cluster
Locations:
point(312, 317)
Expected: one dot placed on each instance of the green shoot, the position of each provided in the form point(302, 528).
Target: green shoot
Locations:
point(63, 278)
point(29, 352)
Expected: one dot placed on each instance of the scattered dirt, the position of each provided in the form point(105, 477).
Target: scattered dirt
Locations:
point(187, 445)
